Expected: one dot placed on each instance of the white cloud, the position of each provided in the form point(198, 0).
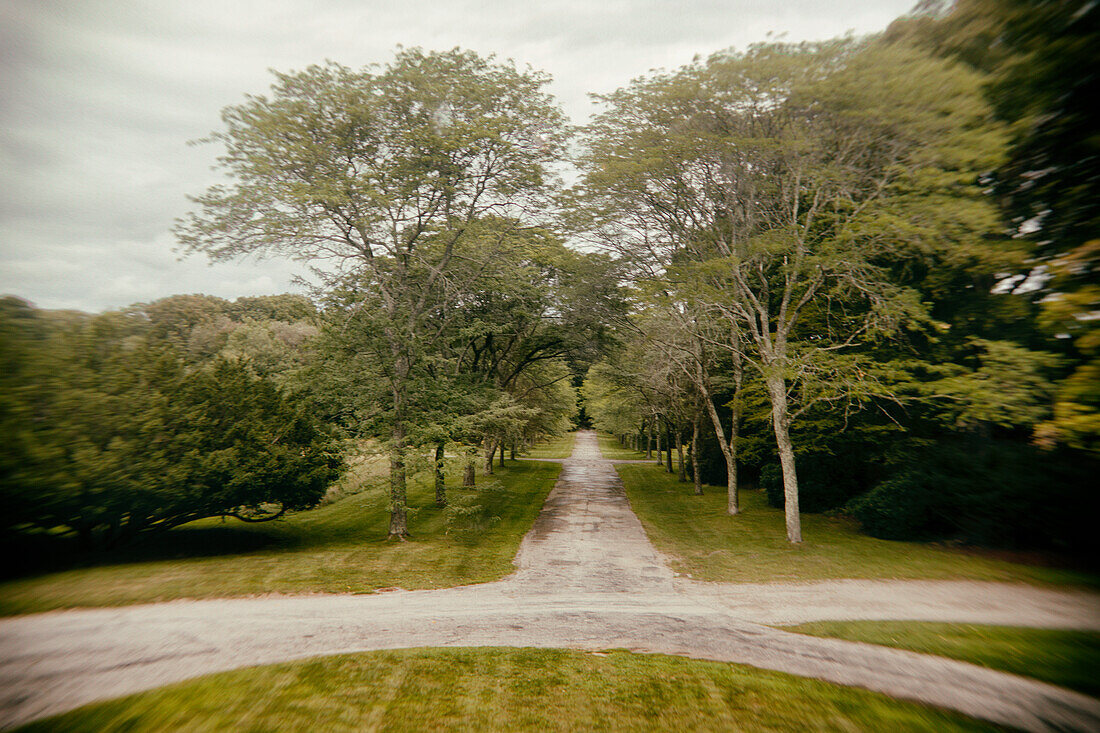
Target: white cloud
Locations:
point(98, 101)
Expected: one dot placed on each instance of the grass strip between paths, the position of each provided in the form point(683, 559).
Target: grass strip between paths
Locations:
point(337, 548)
point(556, 448)
point(705, 543)
point(494, 689)
point(1066, 658)
point(612, 451)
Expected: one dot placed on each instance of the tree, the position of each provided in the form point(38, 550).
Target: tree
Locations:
point(685, 336)
point(613, 400)
point(539, 310)
point(769, 188)
point(382, 173)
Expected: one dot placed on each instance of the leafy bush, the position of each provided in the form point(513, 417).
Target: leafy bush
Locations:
point(899, 508)
point(986, 492)
point(465, 514)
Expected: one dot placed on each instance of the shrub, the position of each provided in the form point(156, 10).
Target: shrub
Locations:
point(987, 492)
point(899, 508)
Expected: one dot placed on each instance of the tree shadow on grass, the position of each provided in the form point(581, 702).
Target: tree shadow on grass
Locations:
point(37, 553)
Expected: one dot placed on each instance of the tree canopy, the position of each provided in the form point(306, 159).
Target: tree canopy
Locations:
point(825, 270)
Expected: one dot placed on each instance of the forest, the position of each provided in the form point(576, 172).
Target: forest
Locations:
point(855, 275)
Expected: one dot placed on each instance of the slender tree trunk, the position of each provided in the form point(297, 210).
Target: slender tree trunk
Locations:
point(659, 454)
point(649, 440)
point(680, 458)
point(668, 449)
point(440, 475)
point(469, 471)
point(728, 446)
point(502, 454)
point(777, 393)
point(490, 453)
point(512, 450)
point(696, 479)
point(398, 511)
point(732, 498)
point(729, 453)
point(399, 526)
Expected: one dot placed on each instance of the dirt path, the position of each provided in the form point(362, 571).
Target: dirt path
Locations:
point(587, 539)
point(587, 578)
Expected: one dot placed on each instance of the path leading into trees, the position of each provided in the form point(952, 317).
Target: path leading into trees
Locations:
point(587, 578)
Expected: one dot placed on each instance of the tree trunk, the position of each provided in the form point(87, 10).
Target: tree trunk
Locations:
point(680, 457)
point(399, 526)
point(502, 454)
point(695, 477)
point(668, 449)
point(490, 453)
point(440, 475)
point(398, 515)
point(512, 450)
point(469, 472)
point(648, 440)
point(659, 454)
point(777, 393)
point(729, 453)
point(732, 499)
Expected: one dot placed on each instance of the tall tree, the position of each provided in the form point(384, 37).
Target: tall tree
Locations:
point(382, 173)
point(769, 187)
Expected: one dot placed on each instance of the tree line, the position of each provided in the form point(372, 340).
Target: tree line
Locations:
point(856, 273)
point(863, 248)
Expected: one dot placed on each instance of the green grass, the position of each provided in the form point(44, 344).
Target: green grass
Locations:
point(707, 544)
point(1066, 658)
point(561, 447)
point(506, 690)
point(611, 450)
point(338, 548)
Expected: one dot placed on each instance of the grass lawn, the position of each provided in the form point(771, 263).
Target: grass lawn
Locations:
point(704, 542)
point(337, 548)
point(611, 450)
point(1066, 658)
point(554, 448)
point(505, 690)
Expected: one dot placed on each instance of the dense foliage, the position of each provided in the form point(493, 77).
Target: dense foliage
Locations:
point(816, 255)
point(406, 181)
point(110, 432)
point(858, 274)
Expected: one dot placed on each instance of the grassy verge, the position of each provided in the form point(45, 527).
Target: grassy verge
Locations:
point(338, 548)
point(506, 689)
point(707, 544)
point(561, 447)
point(611, 450)
point(1066, 658)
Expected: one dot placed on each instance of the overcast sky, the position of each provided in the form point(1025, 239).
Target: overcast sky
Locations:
point(98, 99)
